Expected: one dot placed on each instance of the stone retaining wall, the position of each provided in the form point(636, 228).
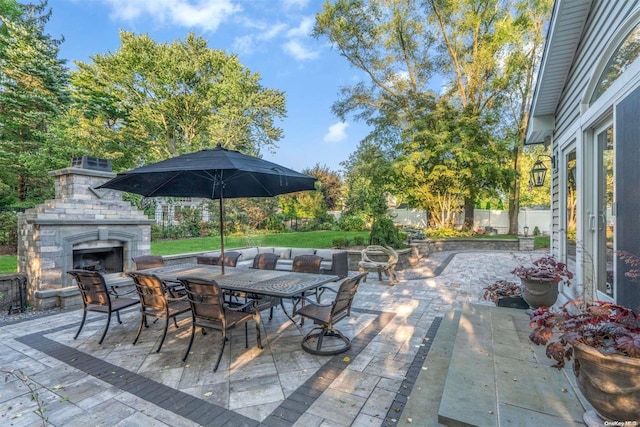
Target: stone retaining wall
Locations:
point(442, 245)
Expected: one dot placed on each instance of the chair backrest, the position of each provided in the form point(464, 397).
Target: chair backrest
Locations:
point(144, 262)
point(266, 261)
point(150, 290)
point(92, 287)
point(206, 299)
point(231, 258)
point(306, 264)
point(344, 297)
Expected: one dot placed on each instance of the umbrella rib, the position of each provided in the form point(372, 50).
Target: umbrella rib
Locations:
point(164, 183)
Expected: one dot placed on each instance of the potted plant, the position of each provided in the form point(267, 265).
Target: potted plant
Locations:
point(540, 281)
point(604, 340)
point(505, 294)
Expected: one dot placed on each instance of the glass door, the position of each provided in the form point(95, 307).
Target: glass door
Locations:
point(570, 216)
point(603, 223)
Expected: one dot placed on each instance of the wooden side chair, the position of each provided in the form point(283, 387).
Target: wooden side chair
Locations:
point(155, 301)
point(327, 315)
point(98, 298)
point(209, 311)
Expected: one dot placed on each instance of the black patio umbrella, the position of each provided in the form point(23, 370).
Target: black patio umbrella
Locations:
point(214, 174)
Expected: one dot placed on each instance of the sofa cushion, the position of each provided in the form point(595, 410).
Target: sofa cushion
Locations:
point(326, 254)
point(248, 253)
point(301, 251)
point(285, 253)
point(246, 264)
point(262, 250)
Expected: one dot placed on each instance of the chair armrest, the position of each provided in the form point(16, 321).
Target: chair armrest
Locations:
point(241, 307)
point(113, 291)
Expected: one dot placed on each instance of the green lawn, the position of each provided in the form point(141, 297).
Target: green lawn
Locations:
point(8, 264)
point(310, 239)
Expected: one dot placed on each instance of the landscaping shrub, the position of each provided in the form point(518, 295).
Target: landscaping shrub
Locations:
point(440, 233)
point(8, 228)
point(385, 233)
point(350, 222)
point(358, 241)
point(340, 242)
point(536, 231)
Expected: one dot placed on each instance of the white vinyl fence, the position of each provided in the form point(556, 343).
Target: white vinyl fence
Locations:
point(497, 219)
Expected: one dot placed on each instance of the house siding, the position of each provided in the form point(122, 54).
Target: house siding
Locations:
point(607, 15)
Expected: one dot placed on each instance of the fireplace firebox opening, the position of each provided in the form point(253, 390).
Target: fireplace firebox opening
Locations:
point(103, 260)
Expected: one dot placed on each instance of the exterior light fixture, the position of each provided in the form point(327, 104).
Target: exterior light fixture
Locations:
point(539, 171)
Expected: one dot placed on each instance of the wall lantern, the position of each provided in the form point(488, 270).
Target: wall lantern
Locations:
point(539, 171)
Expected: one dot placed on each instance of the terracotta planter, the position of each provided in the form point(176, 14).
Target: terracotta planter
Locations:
point(539, 292)
point(611, 383)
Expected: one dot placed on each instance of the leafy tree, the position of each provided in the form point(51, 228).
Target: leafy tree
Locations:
point(330, 185)
point(33, 94)
point(149, 101)
point(398, 44)
point(367, 183)
point(533, 196)
point(522, 65)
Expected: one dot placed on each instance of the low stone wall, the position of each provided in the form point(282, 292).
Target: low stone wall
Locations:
point(13, 288)
point(442, 245)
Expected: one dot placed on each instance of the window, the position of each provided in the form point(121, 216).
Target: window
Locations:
point(623, 56)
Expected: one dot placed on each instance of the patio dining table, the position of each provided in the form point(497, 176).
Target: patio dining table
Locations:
point(273, 283)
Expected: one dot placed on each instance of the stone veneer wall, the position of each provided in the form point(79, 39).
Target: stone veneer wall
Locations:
point(78, 215)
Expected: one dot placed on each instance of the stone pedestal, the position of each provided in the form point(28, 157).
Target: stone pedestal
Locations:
point(526, 243)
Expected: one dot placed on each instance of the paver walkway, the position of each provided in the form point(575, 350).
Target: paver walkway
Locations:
point(117, 384)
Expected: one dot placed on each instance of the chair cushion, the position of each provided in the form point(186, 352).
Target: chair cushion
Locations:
point(262, 250)
point(326, 254)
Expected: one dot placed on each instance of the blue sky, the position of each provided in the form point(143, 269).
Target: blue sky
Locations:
point(270, 37)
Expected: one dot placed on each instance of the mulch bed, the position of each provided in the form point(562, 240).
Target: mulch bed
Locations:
point(8, 250)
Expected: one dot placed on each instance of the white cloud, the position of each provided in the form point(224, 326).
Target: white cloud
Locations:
point(273, 31)
point(290, 4)
point(303, 29)
point(337, 132)
point(243, 45)
point(204, 14)
point(298, 51)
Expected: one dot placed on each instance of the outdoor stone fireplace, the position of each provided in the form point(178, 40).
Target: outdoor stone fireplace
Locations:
point(81, 228)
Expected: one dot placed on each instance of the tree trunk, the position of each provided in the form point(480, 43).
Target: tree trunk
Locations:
point(469, 208)
point(514, 192)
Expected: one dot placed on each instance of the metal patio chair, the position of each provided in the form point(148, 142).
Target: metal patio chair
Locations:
point(155, 301)
point(209, 311)
point(306, 264)
point(266, 261)
point(98, 298)
point(327, 315)
point(145, 262)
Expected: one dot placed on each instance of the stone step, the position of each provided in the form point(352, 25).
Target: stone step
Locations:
point(497, 377)
point(421, 408)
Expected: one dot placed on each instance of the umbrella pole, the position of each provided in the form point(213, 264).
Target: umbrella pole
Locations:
point(221, 232)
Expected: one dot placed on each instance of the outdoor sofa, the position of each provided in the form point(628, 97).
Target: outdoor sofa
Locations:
point(333, 261)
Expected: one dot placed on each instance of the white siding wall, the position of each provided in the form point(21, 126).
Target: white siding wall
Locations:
point(602, 24)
